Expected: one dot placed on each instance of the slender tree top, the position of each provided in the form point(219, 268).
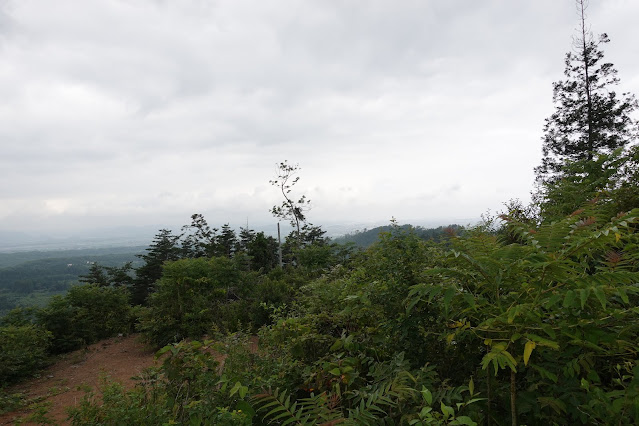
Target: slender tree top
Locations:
point(291, 210)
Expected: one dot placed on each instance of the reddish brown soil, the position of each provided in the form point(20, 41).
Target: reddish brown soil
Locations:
point(65, 383)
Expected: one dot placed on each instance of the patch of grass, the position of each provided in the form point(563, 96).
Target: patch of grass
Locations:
point(39, 414)
point(12, 401)
point(57, 390)
point(84, 387)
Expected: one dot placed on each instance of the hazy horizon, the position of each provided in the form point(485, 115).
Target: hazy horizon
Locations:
point(125, 236)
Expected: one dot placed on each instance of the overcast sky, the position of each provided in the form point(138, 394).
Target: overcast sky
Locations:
point(143, 112)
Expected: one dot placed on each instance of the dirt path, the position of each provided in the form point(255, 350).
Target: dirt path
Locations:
point(65, 383)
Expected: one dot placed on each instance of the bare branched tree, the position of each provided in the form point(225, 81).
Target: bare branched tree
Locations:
point(290, 209)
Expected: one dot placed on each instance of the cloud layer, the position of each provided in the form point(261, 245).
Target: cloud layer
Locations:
point(117, 112)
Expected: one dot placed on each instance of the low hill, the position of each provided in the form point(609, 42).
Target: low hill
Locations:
point(368, 237)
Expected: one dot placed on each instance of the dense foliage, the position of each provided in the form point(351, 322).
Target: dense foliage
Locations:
point(474, 330)
point(531, 317)
point(84, 315)
point(23, 350)
point(529, 323)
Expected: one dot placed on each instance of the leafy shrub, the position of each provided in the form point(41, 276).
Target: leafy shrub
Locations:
point(183, 390)
point(198, 297)
point(11, 401)
point(23, 351)
point(268, 292)
point(554, 317)
point(19, 316)
point(86, 314)
point(186, 299)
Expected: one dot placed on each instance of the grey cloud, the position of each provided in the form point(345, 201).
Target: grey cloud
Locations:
point(172, 107)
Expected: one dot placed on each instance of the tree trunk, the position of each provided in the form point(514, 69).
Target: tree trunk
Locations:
point(513, 398)
point(585, 59)
point(489, 413)
point(279, 245)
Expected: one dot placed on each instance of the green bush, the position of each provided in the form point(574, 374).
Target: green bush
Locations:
point(85, 315)
point(19, 316)
point(197, 297)
point(268, 292)
point(183, 390)
point(552, 319)
point(23, 351)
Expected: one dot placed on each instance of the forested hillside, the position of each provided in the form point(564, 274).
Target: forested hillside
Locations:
point(368, 237)
point(530, 317)
point(30, 278)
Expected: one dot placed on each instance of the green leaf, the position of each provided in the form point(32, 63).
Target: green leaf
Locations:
point(163, 351)
point(446, 410)
point(584, 293)
point(549, 331)
point(552, 301)
point(623, 295)
point(470, 300)
point(512, 313)
point(569, 299)
point(337, 345)
point(335, 371)
point(235, 388)
point(246, 408)
point(434, 291)
point(545, 373)
point(542, 342)
point(448, 297)
point(414, 301)
point(500, 358)
point(243, 391)
point(601, 296)
point(528, 348)
point(427, 395)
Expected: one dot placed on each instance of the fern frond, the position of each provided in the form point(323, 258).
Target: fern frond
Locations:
point(279, 408)
point(314, 410)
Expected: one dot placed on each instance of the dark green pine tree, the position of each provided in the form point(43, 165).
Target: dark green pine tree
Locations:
point(226, 242)
point(120, 276)
point(96, 275)
point(105, 276)
point(263, 252)
point(165, 247)
point(590, 119)
point(246, 237)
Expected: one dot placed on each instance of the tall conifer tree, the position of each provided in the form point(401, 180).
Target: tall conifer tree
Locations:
point(590, 119)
